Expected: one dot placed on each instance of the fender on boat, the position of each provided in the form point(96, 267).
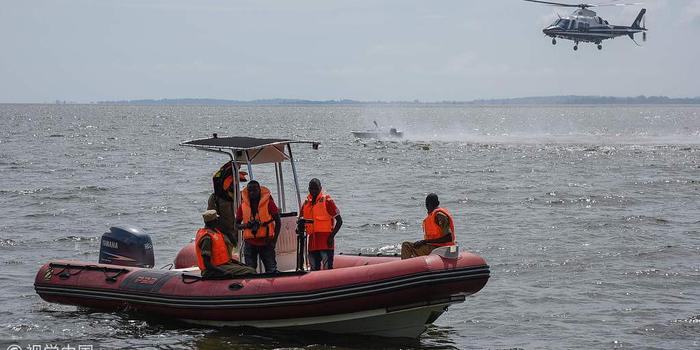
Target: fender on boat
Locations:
point(186, 257)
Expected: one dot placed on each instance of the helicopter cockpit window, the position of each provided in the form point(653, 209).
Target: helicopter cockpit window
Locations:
point(600, 20)
point(563, 23)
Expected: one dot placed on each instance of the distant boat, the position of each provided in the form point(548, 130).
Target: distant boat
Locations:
point(378, 133)
point(392, 133)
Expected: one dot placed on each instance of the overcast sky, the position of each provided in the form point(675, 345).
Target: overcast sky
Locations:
point(430, 50)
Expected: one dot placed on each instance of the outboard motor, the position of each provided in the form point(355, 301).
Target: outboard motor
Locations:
point(126, 246)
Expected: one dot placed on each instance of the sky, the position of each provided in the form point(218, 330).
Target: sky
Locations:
point(389, 50)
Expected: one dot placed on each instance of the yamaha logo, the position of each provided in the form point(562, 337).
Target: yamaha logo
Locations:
point(110, 244)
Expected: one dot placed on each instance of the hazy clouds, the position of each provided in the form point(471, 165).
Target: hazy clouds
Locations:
point(325, 49)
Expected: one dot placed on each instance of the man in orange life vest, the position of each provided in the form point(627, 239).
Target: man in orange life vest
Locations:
point(321, 208)
point(259, 218)
point(438, 230)
point(213, 255)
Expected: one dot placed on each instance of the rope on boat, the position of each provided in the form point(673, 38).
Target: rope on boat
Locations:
point(66, 273)
point(113, 278)
point(193, 279)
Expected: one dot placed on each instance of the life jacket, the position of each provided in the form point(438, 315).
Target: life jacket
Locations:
point(431, 230)
point(323, 222)
point(267, 223)
point(219, 251)
point(222, 180)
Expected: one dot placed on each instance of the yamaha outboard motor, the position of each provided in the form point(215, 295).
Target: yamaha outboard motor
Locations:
point(126, 246)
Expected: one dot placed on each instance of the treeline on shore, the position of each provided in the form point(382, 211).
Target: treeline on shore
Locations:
point(540, 100)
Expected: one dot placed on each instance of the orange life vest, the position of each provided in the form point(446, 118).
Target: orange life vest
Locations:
point(431, 230)
point(323, 222)
point(219, 251)
point(267, 223)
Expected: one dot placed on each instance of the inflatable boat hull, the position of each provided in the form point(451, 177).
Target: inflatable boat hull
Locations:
point(363, 295)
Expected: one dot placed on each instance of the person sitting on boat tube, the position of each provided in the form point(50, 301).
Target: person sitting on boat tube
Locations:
point(213, 255)
point(321, 208)
point(259, 218)
point(438, 230)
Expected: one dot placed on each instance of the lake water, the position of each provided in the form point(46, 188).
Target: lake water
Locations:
point(589, 216)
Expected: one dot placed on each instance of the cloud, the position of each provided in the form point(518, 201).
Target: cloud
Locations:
point(461, 63)
point(190, 67)
point(691, 12)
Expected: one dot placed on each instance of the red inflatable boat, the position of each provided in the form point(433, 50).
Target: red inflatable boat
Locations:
point(383, 296)
point(366, 295)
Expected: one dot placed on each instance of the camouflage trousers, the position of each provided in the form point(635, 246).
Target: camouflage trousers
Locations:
point(409, 250)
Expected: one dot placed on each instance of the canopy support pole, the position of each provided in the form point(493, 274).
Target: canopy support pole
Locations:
point(280, 187)
point(250, 166)
point(296, 178)
point(301, 234)
point(236, 201)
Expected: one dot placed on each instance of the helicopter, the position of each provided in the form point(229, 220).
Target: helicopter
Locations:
point(584, 25)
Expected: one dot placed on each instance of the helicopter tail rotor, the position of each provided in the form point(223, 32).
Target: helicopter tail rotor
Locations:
point(640, 24)
point(638, 20)
point(631, 35)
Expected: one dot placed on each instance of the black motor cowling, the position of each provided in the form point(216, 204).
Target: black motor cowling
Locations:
point(126, 246)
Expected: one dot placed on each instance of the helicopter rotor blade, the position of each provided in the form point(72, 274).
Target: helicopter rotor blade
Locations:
point(583, 6)
point(624, 4)
point(559, 4)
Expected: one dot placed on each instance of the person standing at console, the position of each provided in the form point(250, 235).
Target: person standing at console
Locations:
point(221, 200)
point(259, 218)
point(320, 207)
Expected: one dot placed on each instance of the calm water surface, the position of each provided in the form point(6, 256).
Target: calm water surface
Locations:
point(588, 216)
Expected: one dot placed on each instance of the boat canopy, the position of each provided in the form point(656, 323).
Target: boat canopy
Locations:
point(248, 150)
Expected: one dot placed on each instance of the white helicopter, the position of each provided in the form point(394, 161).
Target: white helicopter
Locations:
point(584, 25)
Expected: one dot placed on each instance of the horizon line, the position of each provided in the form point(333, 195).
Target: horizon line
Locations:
point(552, 99)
